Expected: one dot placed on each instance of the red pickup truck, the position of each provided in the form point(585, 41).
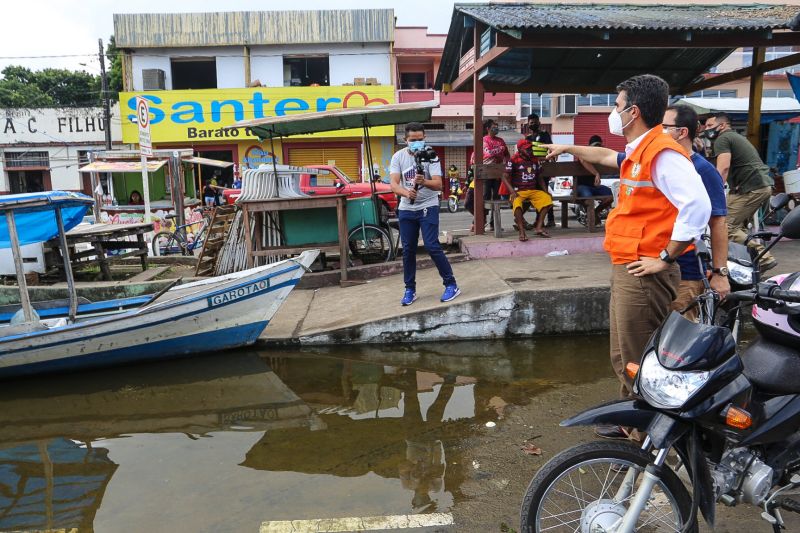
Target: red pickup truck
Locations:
point(334, 182)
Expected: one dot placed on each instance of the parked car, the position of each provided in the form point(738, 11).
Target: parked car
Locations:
point(334, 182)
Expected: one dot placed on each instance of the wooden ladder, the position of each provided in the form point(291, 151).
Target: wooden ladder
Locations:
point(216, 233)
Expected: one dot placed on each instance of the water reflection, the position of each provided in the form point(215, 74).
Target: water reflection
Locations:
point(293, 435)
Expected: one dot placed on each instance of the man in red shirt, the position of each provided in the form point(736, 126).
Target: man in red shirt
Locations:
point(524, 180)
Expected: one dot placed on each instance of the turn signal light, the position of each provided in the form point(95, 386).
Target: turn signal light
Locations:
point(632, 369)
point(738, 418)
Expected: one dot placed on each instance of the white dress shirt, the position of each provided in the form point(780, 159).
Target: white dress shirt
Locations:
point(674, 175)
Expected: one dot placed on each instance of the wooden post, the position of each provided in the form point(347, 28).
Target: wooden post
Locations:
point(477, 137)
point(62, 240)
point(344, 245)
point(248, 254)
point(24, 297)
point(756, 90)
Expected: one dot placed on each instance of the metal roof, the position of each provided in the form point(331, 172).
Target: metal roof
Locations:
point(590, 48)
point(238, 28)
point(697, 17)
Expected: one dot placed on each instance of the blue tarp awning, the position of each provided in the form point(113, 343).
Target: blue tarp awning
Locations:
point(34, 214)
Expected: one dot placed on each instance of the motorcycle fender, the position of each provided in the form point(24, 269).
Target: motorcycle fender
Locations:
point(626, 413)
point(703, 487)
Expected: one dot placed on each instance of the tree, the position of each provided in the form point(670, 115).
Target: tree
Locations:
point(114, 71)
point(22, 87)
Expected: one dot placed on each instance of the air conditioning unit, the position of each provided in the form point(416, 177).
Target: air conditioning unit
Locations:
point(153, 79)
point(567, 105)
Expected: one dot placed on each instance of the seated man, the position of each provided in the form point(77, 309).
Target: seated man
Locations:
point(584, 190)
point(523, 178)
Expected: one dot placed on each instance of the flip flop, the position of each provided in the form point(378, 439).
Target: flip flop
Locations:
point(543, 234)
point(523, 238)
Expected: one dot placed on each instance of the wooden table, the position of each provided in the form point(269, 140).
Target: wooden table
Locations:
point(254, 212)
point(106, 237)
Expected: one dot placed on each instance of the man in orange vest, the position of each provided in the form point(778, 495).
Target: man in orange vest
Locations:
point(662, 208)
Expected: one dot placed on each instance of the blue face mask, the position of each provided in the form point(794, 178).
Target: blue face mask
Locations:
point(416, 146)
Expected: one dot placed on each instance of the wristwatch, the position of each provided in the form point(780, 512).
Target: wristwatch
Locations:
point(664, 256)
point(722, 271)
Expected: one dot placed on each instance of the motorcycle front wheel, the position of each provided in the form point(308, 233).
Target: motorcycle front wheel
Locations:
point(582, 490)
point(452, 204)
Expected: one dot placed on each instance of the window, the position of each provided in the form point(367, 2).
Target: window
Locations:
point(597, 100)
point(778, 93)
point(27, 160)
point(433, 126)
point(194, 73)
point(714, 93)
point(413, 80)
point(306, 71)
point(541, 104)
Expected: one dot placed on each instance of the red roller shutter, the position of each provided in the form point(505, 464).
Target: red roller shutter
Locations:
point(588, 124)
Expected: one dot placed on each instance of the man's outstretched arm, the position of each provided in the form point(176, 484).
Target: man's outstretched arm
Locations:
point(596, 155)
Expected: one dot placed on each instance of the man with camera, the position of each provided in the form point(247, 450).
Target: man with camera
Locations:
point(416, 176)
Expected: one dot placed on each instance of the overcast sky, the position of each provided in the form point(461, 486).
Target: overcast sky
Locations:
point(72, 27)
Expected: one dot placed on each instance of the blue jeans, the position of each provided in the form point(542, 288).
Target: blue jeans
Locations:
point(427, 220)
point(590, 190)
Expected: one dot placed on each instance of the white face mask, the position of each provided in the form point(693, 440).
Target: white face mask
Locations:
point(615, 125)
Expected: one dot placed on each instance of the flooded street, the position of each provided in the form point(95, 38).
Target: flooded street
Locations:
point(243, 440)
point(228, 442)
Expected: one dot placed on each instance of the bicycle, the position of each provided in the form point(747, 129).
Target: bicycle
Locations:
point(371, 243)
point(181, 241)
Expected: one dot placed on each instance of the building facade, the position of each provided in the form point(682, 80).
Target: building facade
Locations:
point(416, 61)
point(203, 72)
point(42, 149)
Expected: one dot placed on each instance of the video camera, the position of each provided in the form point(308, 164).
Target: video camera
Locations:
point(426, 155)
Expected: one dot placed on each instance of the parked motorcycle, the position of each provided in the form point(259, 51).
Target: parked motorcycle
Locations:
point(455, 194)
point(732, 420)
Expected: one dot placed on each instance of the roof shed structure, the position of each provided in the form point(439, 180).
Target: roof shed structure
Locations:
point(590, 48)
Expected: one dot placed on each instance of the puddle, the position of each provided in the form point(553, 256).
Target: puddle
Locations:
point(226, 442)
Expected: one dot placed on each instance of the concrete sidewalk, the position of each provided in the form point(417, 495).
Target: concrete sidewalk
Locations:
point(517, 296)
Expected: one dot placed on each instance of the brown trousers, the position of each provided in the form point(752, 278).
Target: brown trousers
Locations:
point(741, 208)
point(638, 306)
point(688, 290)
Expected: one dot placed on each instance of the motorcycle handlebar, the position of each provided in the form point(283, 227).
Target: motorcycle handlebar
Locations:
point(766, 293)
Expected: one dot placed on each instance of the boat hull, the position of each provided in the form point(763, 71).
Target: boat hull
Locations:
point(215, 314)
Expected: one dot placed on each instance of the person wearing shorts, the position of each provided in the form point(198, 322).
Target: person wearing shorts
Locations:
point(523, 178)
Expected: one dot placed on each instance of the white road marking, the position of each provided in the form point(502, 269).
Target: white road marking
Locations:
point(357, 523)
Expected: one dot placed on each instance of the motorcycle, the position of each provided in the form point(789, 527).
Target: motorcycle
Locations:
point(455, 194)
point(728, 422)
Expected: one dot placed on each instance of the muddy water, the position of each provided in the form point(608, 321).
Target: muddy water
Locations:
point(227, 442)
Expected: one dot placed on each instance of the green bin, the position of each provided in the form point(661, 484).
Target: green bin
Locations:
point(310, 226)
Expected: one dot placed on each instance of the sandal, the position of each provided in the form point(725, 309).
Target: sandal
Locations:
point(543, 234)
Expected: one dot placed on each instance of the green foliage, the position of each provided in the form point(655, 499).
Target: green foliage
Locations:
point(51, 87)
point(114, 69)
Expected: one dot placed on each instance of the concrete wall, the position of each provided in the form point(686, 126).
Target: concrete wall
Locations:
point(512, 314)
point(347, 61)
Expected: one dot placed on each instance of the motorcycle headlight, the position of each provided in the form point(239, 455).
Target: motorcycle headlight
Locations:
point(668, 388)
point(741, 275)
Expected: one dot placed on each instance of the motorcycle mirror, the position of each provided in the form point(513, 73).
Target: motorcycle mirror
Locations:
point(790, 227)
point(779, 201)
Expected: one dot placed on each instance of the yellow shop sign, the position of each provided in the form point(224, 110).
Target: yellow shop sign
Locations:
point(201, 115)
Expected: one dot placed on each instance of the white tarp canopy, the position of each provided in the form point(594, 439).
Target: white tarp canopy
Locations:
point(704, 106)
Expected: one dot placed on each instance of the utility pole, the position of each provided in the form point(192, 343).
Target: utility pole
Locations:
point(104, 82)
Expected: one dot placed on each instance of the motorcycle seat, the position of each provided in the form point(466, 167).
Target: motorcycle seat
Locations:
point(773, 368)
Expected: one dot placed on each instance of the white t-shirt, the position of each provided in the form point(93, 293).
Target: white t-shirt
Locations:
point(403, 163)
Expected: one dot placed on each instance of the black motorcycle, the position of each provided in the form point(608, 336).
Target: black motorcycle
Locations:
point(730, 423)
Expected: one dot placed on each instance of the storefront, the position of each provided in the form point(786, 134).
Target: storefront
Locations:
point(195, 119)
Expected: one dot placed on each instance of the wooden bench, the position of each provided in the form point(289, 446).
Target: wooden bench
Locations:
point(552, 169)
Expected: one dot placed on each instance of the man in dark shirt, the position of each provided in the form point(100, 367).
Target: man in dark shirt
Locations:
point(748, 179)
point(524, 180)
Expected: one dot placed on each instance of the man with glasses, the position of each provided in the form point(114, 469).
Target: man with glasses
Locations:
point(680, 123)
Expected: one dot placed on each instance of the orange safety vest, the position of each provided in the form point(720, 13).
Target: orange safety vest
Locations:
point(641, 225)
